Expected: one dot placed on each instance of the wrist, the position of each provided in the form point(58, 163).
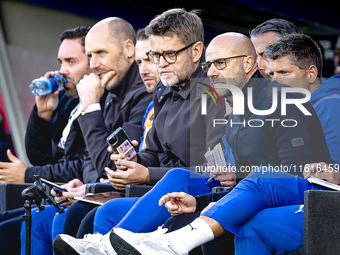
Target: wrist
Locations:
point(91, 107)
point(147, 175)
point(45, 114)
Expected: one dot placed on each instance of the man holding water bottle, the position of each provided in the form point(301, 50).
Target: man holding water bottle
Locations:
point(54, 142)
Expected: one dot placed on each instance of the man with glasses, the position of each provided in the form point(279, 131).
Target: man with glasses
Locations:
point(180, 135)
point(177, 49)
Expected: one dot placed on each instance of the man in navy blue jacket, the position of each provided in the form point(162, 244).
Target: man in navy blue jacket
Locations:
point(55, 151)
point(296, 60)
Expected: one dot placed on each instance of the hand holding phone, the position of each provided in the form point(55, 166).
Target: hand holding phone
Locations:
point(121, 143)
point(58, 189)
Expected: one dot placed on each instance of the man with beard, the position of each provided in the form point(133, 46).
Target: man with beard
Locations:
point(148, 72)
point(149, 75)
point(180, 135)
point(54, 142)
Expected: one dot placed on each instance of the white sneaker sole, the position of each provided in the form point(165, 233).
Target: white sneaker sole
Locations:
point(121, 246)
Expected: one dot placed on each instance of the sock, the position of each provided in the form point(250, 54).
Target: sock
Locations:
point(192, 235)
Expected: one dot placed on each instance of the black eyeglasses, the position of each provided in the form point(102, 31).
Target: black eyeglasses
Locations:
point(219, 63)
point(169, 56)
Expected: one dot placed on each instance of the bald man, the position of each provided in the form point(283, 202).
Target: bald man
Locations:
point(112, 96)
point(231, 59)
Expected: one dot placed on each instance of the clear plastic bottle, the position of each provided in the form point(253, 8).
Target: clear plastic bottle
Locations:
point(44, 86)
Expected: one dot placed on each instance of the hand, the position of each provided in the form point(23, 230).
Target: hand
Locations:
point(47, 104)
point(134, 174)
point(74, 187)
point(13, 171)
point(323, 171)
point(225, 175)
point(178, 203)
point(91, 88)
point(114, 157)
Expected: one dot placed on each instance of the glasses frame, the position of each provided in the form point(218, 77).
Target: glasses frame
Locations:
point(152, 54)
point(206, 65)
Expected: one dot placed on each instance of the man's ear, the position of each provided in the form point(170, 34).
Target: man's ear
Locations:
point(312, 74)
point(197, 51)
point(248, 64)
point(129, 49)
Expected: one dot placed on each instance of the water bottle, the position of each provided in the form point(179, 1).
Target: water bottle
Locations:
point(44, 86)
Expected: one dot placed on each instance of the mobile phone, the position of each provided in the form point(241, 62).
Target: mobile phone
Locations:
point(121, 143)
point(219, 189)
point(54, 186)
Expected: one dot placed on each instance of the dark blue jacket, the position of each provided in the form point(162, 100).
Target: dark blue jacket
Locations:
point(273, 144)
point(326, 102)
point(42, 138)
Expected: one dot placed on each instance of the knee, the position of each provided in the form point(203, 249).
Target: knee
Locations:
point(107, 210)
point(177, 173)
point(46, 215)
point(181, 175)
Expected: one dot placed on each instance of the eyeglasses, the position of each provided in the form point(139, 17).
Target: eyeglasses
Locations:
point(147, 53)
point(219, 63)
point(169, 56)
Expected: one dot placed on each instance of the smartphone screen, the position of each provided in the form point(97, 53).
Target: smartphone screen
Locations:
point(121, 143)
point(54, 186)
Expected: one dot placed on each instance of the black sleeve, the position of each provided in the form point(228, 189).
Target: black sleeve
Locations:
point(63, 171)
point(203, 201)
point(299, 140)
point(95, 132)
point(38, 138)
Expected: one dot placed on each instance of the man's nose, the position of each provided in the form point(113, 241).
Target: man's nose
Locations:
point(162, 62)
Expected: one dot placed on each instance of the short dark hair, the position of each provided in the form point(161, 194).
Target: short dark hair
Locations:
point(300, 49)
point(77, 32)
point(141, 35)
point(186, 25)
point(122, 30)
point(280, 27)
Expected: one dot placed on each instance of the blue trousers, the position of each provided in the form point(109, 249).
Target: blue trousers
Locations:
point(144, 214)
point(46, 225)
point(260, 211)
point(120, 212)
point(10, 224)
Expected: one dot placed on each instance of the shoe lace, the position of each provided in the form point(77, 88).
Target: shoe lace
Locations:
point(96, 237)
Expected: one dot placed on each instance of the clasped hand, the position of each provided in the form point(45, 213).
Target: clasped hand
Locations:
point(128, 172)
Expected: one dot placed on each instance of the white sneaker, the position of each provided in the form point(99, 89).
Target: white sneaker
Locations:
point(127, 243)
point(91, 244)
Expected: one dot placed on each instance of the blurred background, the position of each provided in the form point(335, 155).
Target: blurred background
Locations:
point(30, 29)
